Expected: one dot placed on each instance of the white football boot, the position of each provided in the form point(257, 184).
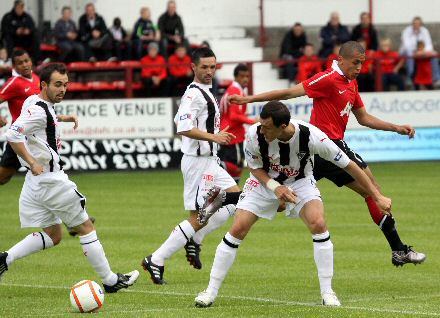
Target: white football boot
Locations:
point(330, 299)
point(204, 299)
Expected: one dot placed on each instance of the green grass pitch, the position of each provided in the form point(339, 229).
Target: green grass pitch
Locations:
point(274, 274)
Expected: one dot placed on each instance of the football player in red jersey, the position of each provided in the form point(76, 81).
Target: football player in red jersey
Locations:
point(335, 94)
point(234, 117)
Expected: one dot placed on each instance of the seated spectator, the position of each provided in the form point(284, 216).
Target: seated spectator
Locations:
point(154, 72)
point(334, 32)
point(171, 30)
point(19, 31)
point(410, 36)
point(94, 35)
point(66, 35)
point(180, 72)
point(366, 31)
point(5, 66)
point(121, 45)
point(144, 32)
point(423, 72)
point(365, 78)
point(292, 48)
point(333, 56)
point(309, 64)
point(390, 64)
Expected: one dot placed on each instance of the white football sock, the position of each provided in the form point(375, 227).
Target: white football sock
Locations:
point(95, 254)
point(323, 252)
point(177, 239)
point(218, 219)
point(224, 258)
point(32, 243)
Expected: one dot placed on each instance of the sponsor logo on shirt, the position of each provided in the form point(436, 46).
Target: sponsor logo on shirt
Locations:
point(208, 177)
point(17, 128)
point(250, 154)
point(185, 116)
point(346, 110)
point(289, 172)
point(338, 156)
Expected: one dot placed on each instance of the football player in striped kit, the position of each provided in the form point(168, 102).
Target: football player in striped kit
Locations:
point(198, 122)
point(48, 196)
point(279, 151)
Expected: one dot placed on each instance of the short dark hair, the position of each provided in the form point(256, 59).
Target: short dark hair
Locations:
point(201, 52)
point(65, 8)
point(17, 53)
point(47, 71)
point(279, 113)
point(349, 48)
point(240, 68)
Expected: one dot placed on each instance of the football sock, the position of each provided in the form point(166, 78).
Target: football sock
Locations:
point(323, 253)
point(32, 243)
point(177, 240)
point(224, 258)
point(386, 224)
point(218, 219)
point(231, 198)
point(94, 252)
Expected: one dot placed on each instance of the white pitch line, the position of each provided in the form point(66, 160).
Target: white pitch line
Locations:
point(257, 299)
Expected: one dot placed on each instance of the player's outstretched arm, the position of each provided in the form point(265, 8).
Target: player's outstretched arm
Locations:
point(370, 121)
point(281, 94)
point(69, 119)
point(222, 138)
point(383, 202)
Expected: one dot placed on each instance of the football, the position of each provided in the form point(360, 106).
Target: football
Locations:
point(86, 296)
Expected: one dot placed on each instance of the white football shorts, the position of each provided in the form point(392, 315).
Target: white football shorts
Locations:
point(262, 202)
point(49, 199)
point(199, 175)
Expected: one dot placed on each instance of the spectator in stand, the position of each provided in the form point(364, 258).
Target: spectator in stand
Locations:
point(19, 31)
point(180, 72)
point(390, 63)
point(292, 49)
point(334, 32)
point(410, 36)
point(366, 31)
point(121, 42)
point(94, 35)
point(171, 30)
point(154, 72)
point(144, 32)
point(365, 78)
point(334, 56)
point(309, 64)
point(66, 35)
point(423, 73)
point(5, 66)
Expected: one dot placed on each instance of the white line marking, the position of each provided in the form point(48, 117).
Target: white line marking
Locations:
point(257, 299)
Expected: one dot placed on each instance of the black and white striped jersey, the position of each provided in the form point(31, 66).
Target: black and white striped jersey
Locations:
point(37, 128)
point(291, 160)
point(198, 109)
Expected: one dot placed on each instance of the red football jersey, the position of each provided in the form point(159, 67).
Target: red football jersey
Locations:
point(16, 90)
point(333, 98)
point(234, 115)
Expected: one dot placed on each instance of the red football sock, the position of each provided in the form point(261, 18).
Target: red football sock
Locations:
point(375, 213)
